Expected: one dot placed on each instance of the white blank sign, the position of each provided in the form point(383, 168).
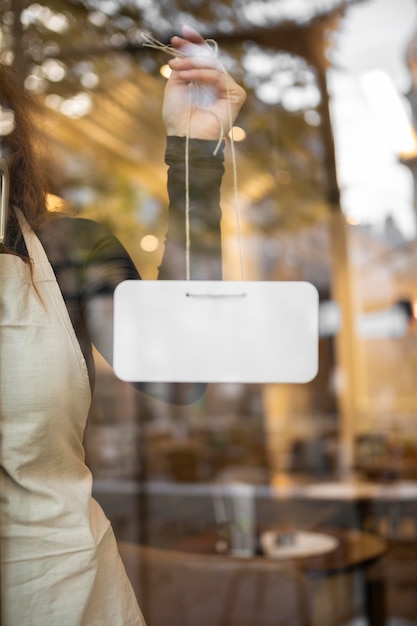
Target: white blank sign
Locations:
point(215, 331)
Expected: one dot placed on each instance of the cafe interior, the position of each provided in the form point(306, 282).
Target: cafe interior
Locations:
point(266, 502)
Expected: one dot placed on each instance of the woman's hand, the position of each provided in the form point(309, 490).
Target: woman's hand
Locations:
point(201, 99)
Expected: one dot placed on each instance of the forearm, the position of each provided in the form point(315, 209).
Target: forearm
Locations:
point(205, 176)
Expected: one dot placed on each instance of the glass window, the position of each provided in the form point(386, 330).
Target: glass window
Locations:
point(233, 501)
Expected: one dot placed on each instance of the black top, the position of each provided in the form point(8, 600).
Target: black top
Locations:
point(89, 261)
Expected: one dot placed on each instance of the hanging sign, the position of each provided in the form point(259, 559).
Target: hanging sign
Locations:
point(215, 331)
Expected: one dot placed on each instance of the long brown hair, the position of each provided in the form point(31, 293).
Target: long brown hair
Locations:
point(27, 182)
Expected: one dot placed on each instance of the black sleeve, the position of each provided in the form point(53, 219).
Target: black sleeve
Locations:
point(205, 174)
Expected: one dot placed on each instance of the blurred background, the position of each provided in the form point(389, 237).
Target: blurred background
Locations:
point(327, 163)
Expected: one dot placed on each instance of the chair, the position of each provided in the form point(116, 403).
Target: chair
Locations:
point(181, 589)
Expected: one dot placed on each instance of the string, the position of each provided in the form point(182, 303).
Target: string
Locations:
point(235, 182)
point(151, 42)
point(187, 188)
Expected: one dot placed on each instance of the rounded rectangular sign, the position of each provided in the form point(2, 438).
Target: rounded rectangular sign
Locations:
point(215, 331)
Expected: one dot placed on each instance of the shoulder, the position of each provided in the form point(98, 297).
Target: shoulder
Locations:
point(67, 224)
point(82, 241)
point(100, 258)
point(83, 233)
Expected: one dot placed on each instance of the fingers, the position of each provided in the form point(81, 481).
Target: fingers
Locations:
point(200, 63)
point(203, 70)
point(189, 36)
point(191, 43)
point(184, 64)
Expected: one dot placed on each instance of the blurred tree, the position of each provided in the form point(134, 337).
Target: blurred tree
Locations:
point(71, 52)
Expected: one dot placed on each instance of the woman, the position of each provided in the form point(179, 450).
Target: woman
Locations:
point(60, 563)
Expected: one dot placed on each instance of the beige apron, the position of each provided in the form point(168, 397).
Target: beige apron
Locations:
point(60, 564)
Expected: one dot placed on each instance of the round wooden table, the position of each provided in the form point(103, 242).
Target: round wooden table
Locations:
point(354, 549)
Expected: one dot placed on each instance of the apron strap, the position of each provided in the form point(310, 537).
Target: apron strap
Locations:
point(36, 251)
